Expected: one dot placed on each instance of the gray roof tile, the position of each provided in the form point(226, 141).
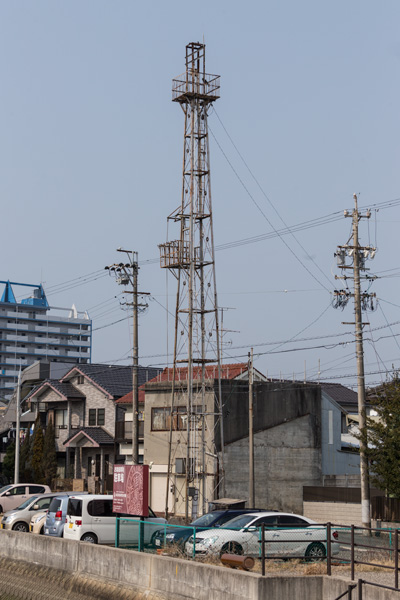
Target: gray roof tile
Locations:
point(98, 434)
point(116, 380)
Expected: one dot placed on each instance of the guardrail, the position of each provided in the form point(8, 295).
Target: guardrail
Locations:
point(358, 546)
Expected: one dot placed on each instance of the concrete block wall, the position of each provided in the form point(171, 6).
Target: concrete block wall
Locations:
point(333, 512)
point(159, 576)
point(285, 459)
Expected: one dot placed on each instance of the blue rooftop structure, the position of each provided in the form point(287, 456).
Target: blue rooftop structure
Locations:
point(37, 299)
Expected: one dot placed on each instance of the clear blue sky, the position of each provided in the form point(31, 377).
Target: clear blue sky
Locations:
point(91, 154)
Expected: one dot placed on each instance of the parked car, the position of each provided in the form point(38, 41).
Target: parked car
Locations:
point(91, 519)
point(19, 518)
point(286, 534)
point(37, 522)
point(11, 496)
point(55, 518)
point(216, 518)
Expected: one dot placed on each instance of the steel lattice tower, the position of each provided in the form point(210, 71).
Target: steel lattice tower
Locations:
point(191, 260)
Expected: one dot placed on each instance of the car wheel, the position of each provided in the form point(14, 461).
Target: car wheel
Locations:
point(41, 532)
point(91, 538)
point(231, 548)
point(315, 551)
point(20, 527)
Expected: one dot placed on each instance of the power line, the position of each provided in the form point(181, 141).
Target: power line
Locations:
point(290, 231)
point(265, 216)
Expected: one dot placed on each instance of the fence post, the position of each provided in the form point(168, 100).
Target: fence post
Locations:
point(140, 536)
point(352, 552)
point(194, 542)
point(349, 592)
point(263, 548)
point(328, 549)
point(359, 587)
point(396, 559)
point(117, 523)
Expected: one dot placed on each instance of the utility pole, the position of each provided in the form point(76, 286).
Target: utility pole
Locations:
point(17, 429)
point(127, 273)
point(251, 433)
point(361, 300)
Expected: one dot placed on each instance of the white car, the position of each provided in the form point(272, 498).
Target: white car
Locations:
point(37, 522)
point(90, 518)
point(286, 534)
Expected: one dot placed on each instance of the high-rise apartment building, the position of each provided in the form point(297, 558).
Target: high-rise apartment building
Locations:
point(31, 330)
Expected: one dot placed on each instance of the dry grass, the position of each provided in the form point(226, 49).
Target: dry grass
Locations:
point(293, 566)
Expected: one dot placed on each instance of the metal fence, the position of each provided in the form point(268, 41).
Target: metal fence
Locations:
point(359, 589)
point(331, 545)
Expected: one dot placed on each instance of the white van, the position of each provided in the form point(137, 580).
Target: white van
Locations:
point(90, 518)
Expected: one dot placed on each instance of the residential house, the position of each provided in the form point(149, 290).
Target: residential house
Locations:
point(297, 438)
point(82, 407)
point(158, 430)
point(31, 376)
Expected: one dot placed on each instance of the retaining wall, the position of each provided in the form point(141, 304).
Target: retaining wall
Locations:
point(79, 567)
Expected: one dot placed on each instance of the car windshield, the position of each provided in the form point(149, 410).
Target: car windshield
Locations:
point(4, 488)
point(238, 522)
point(27, 503)
point(207, 520)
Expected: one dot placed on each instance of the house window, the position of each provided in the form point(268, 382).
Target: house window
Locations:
point(61, 418)
point(101, 413)
point(161, 418)
point(92, 417)
point(80, 379)
point(97, 416)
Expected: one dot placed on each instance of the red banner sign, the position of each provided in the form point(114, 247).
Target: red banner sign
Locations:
point(131, 490)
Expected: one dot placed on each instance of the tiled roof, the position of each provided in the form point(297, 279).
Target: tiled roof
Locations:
point(97, 434)
point(341, 394)
point(116, 380)
point(127, 399)
point(227, 372)
point(65, 389)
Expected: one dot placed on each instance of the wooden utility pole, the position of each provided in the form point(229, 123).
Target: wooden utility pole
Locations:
point(135, 364)
point(359, 254)
point(365, 494)
point(251, 433)
point(127, 273)
point(17, 429)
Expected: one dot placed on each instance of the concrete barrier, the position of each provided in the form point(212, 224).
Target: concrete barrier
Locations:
point(137, 574)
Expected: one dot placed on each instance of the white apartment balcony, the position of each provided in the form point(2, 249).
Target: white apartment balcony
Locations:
point(16, 326)
point(14, 338)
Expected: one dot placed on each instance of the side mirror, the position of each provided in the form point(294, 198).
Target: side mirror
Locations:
point(253, 528)
point(36, 507)
point(7, 494)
